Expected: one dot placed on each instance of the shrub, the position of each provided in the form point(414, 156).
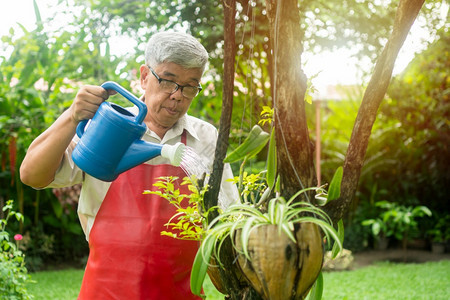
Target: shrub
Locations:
point(13, 273)
point(398, 221)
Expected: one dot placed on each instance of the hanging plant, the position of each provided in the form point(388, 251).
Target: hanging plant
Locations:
point(278, 243)
point(279, 251)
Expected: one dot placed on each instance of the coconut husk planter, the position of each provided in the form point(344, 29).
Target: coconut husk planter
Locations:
point(279, 268)
point(214, 274)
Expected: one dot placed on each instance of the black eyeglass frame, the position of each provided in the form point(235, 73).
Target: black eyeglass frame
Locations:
point(199, 87)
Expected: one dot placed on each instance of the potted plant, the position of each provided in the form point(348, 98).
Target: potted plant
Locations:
point(277, 242)
point(279, 251)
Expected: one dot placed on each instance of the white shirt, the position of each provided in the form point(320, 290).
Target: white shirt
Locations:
point(201, 137)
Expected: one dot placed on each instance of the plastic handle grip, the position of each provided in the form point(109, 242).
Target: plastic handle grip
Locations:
point(80, 127)
point(111, 85)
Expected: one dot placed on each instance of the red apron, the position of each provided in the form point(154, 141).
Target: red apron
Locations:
point(129, 258)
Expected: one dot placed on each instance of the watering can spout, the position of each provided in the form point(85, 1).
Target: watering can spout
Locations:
point(141, 151)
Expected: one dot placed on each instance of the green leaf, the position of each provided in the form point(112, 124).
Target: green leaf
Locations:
point(271, 161)
point(19, 217)
point(265, 195)
point(334, 191)
point(335, 251)
point(245, 234)
point(38, 15)
point(288, 231)
point(252, 145)
point(278, 184)
point(300, 192)
point(200, 265)
point(9, 205)
point(271, 210)
point(329, 231)
point(376, 228)
point(317, 289)
point(57, 208)
point(4, 235)
point(420, 210)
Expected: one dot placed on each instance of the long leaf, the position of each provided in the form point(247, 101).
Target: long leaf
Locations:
point(288, 231)
point(305, 207)
point(278, 185)
point(335, 251)
point(326, 228)
point(234, 228)
point(317, 290)
point(271, 210)
point(271, 161)
point(334, 191)
point(38, 16)
point(255, 142)
point(245, 234)
point(300, 192)
point(200, 265)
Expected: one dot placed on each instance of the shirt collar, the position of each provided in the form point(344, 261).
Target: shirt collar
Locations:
point(183, 123)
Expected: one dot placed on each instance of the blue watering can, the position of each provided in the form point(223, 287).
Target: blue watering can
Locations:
point(112, 144)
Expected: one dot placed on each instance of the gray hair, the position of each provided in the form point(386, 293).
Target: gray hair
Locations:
point(177, 47)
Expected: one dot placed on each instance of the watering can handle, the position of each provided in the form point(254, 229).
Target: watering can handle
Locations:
point(81, 126)
point(111, 85)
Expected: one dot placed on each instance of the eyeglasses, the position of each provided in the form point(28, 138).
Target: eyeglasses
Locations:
point(170, 87)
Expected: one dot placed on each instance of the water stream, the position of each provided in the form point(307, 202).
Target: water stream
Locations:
point(192, 164)
point(194, 167)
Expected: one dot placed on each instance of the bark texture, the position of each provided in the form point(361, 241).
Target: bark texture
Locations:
point(295, 153)
point(212, 194)
point(228, 278)
point(294, 148)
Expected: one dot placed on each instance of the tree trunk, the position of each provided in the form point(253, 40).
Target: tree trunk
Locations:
point(406, 14)
point(231, 277)
point(212, 194)
point(294, 148)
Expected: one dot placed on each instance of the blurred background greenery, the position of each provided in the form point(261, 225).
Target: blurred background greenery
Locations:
point(407, 161)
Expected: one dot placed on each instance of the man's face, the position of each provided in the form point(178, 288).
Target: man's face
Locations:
point(164, 109)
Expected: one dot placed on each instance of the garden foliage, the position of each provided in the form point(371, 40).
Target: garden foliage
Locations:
point(13, 273)
point(42, 69)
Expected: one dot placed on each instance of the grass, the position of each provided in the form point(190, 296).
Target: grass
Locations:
point(380, 281)
point(385, 280)
point(56, 285)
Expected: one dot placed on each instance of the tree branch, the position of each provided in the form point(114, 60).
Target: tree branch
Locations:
point(294, 151)
point(211, 196)
point(406, 14)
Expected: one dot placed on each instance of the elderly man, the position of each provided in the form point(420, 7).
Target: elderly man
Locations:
point(129, 259)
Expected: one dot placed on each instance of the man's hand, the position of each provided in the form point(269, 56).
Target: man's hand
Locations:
point(45, 153)
point(87, 101)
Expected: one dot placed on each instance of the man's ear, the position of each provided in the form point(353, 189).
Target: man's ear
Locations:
point(144, 76)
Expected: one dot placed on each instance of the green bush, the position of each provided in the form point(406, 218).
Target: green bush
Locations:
point(398, 221)
point(440, 232)
point(357, 236)
point(13, 273)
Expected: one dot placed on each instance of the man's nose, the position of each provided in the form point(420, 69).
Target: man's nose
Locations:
point(177, 95)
